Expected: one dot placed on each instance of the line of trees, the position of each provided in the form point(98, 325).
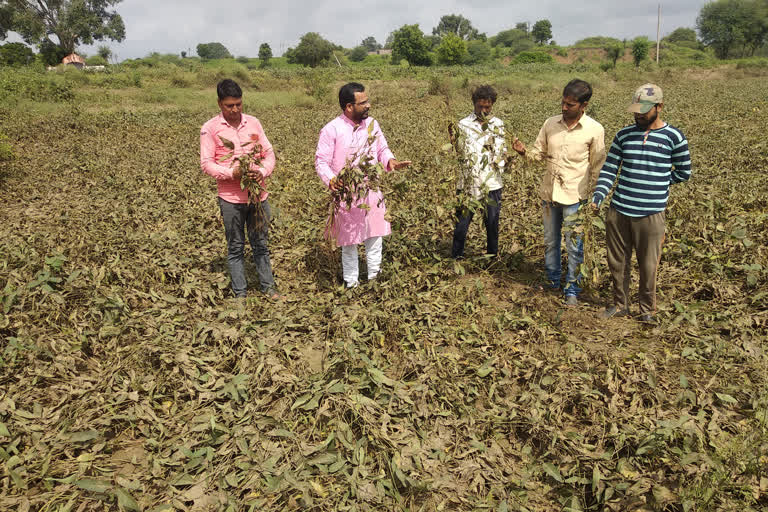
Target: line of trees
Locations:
point(731, 28)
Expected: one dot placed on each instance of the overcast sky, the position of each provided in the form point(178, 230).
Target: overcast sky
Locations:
point(171, 26)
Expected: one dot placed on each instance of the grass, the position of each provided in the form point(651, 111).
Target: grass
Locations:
point(130, 378)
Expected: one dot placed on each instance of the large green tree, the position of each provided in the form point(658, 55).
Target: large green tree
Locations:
point(542, 31)
point(730, 27)
point(458, 25)
point(70, 22)
point(213, 50)
point(311, 51)
point(452, 50)
point(408, 43)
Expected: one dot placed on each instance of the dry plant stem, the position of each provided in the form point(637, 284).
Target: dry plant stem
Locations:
point(257, 218)
point(361, 175)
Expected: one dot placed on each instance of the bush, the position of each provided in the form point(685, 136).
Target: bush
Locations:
point(439, 86)
point(35, 86)
point(358, 54)
point(754, 63)
point(96, 60)
point(532, 58)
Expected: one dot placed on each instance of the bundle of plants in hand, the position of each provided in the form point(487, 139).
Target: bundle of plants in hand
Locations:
point(361, 175)
point(465, 180)
point(250, 159)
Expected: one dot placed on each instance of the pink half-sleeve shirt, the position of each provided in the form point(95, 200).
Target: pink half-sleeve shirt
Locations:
point(211, 149)
point(340, 140)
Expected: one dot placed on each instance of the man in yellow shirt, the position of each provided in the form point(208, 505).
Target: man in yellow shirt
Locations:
point(573, 145)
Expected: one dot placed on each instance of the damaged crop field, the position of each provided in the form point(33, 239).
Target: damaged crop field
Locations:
point(131, 379)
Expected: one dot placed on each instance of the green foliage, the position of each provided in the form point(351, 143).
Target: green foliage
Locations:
point(6, 19)
point(542, 31)
point(596, 42)
point(640, 47)
point(6, 149)
point(16, 54)
point(408, 43)
point(614, 52)
point(452, 50)
point(370, 44)
point(265, 53)
point(35, 85)
point(515, 39)
point(681, 34)
point(477, 52)
point(457, 25)
point(533, 58)
point(213, 50)
point(96, 60)
point(74, 22)
point(731, 26)
point(358, 54)
point(673, 55)
point(311, 51)
point(104, 52)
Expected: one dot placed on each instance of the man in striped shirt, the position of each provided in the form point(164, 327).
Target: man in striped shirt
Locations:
point(651, 155)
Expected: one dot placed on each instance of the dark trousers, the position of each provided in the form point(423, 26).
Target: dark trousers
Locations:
point(646, 236)
point(490, 219)
point(235, 216)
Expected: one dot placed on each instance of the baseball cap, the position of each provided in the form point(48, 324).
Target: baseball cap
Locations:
point(645, 97)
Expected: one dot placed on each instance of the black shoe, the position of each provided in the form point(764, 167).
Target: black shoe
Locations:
point(612, 312)
point(647, 319)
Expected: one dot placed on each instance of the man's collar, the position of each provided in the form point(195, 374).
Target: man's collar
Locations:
point(243, 120)
point(352, 123)
point(578, 123)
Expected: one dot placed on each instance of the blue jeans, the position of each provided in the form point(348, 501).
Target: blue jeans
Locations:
point(235, 216)
point(554, 216)
point(490, 219)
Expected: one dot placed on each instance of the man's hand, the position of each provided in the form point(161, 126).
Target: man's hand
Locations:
point(256, 174)
point(594, 206)
point(237, 174)
point(335, 184)
point(518, 146)
point(396, 165)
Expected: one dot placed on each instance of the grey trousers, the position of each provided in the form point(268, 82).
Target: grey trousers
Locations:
point(235, 216)
point(646, 236)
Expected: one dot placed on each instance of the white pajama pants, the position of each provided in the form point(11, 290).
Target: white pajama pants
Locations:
point(349, 265)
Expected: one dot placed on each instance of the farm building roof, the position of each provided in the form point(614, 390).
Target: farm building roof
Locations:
point(73, 58)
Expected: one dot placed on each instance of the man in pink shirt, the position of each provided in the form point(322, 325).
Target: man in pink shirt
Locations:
point(239, 128)
point(340, 141)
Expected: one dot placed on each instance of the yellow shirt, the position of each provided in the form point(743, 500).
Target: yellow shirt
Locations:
point(574, 158)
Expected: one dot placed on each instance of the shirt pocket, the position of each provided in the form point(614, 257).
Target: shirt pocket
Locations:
point(576, 152)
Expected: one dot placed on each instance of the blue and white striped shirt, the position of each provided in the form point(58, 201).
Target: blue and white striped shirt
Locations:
point(646, 160)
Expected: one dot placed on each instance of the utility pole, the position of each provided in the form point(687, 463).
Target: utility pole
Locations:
point(658, 30)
